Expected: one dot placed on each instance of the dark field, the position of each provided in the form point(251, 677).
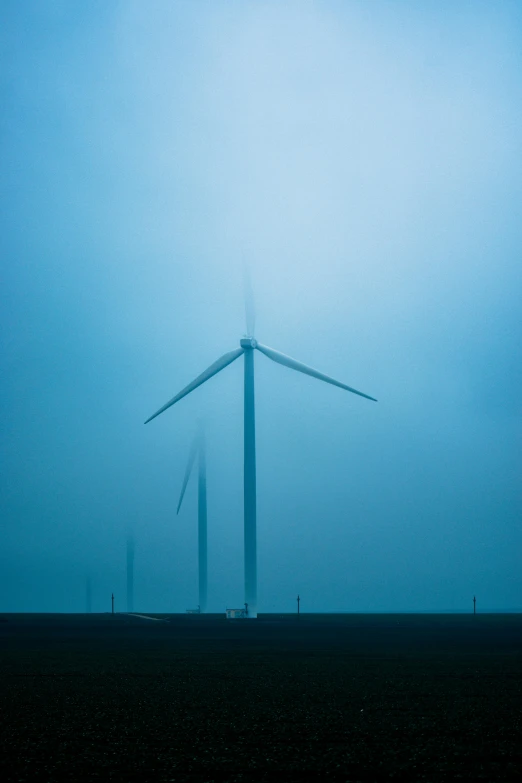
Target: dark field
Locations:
point(341, 698)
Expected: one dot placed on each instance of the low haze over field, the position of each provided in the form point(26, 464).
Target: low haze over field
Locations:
point(365, 160)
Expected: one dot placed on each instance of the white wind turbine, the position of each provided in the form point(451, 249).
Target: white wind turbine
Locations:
point(248, 345)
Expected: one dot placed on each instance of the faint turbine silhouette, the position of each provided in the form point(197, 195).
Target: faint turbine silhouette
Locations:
point(198, 450)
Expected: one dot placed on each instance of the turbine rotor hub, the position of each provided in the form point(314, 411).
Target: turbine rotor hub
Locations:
point(248, 342)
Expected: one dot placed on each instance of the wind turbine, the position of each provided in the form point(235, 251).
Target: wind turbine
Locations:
point(130, 573)
point(198, 450)
point(248, 344)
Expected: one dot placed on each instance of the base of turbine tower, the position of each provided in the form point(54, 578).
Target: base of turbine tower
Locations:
point(246, 613)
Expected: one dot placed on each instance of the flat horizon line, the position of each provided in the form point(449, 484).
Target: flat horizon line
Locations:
point(517, 610)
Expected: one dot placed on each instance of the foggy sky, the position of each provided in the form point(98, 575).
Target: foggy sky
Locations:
point(365, 160)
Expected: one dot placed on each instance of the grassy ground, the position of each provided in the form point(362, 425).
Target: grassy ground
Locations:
point(340, 698)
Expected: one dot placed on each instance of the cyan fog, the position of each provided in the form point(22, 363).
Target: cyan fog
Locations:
point(364, 161)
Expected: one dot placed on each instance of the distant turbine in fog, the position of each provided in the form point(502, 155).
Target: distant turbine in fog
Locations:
point(130, 573)
point(248, 345)
point(198, 450)
point(88, 595)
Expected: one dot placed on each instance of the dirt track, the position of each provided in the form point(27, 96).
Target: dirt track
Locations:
point(341, 698)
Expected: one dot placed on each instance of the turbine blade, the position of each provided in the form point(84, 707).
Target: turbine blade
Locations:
point(218, 365)
point(287, 361)
point(190, 463)
point(250, 308)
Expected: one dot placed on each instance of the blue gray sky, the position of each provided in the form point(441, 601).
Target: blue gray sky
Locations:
point(364, 159)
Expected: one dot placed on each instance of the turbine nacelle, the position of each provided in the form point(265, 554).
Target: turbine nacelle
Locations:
point(248, 342)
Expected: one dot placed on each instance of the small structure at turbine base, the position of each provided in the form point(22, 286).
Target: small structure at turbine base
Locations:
point(193, 611)
point(238, 614)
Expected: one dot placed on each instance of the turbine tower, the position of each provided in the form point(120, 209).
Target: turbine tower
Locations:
point(130, 573)
point(198, 450)
point(88, 595)
point(248, 345)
